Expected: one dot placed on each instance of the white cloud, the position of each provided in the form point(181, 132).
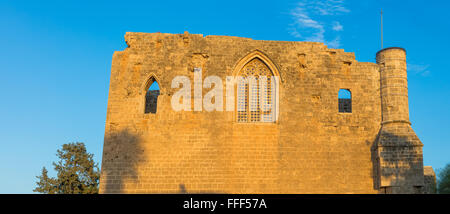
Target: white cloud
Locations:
point(329, 7)
point(308, 20)
point(335, 43)
point(293, 31)
point(419, 69)
point(337, 26)
point(302, 18)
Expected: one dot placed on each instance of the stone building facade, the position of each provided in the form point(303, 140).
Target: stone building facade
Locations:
point(312, 147)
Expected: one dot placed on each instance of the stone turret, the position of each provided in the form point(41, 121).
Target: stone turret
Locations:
point(394, 85)
point(399, 150)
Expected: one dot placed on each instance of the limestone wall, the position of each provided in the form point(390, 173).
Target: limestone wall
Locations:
point(312, 148)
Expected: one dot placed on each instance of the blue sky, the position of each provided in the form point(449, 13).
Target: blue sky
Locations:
point(56, 56)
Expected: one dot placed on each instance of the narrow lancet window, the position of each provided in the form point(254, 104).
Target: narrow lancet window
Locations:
point(151, 98)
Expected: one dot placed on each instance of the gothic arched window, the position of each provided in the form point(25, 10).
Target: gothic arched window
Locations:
point(255, 93)
point(151, 97)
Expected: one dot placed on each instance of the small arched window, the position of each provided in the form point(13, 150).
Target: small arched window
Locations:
point(151, 97)
point(345, 101)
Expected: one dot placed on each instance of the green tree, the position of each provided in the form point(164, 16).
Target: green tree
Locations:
point(77, 173)
point(444, 180)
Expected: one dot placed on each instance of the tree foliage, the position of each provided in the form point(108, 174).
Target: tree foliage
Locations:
point(77, 173)
point(444, 180)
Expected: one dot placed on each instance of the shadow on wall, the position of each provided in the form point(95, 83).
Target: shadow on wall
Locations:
point(121, 154)
point(397, 161)
point(375, 162)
